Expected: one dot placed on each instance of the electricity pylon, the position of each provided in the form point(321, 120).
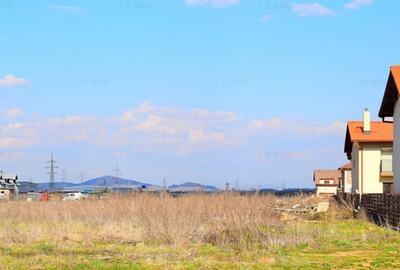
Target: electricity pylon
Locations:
point(52, 172)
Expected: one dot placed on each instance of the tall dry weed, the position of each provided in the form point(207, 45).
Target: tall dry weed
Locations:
point(223, 219)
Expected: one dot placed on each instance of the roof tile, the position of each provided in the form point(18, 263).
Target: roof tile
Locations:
point(327, 175)
point(381, 132)
point(395, 70)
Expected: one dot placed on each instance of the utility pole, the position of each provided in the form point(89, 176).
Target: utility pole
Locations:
point(116, 174)
point(283, 186)
point(165, 184)
point(52, 172)
point(227, 187)
point(117, 171)
point(81, 176)
point(64, 178)
point(237, 185)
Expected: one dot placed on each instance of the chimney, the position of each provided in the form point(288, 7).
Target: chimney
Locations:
point(367, 121)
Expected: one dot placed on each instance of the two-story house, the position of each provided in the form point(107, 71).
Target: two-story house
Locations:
point(369, 147)
point(390, 108)
point(327, 181)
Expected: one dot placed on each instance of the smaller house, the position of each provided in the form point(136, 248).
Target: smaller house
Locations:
point(345, 178)
point(327, 181)
point(8, 185)
point(8, 178)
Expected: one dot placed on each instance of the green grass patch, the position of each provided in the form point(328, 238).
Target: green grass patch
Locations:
point(349, 244)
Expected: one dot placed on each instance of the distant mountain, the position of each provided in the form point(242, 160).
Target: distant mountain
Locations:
point(26, 187)
point(268, 190)
point(190, 187)
point(57, 185)
point(125, 184)
point(104, 181)
point(110, 181)
point(117, 182)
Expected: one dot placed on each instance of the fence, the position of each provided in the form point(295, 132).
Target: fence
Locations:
point(383, 209)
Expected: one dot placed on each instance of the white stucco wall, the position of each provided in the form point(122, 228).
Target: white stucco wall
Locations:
point(326, 190)
point(347, 181)
point(355, 161)
point(371, 169)
point(366, 171)
point(396, 147)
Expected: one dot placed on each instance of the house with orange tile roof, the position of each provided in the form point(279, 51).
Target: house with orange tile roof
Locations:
point(369, 147)
point(390, 108)
point(327, 181)
point(345, 178)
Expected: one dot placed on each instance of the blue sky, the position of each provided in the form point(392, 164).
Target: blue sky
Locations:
point(249, 92)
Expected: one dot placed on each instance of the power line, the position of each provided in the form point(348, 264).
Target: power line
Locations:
point(81, 176)
point(117, 171)
point(283, 185)
point(237, 184)
point(227, 187)
point(52, 171)
point(64, 178)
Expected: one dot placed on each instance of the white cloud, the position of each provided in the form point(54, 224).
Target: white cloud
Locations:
point(266, 18)
point(80, 137)
point(11, 80)
point(14, 142)
point(151, 129)
point(312, 9)
point(213, 3)
point(121, 155)
point(145, 128)
point(180, 129)
point(298, 127)
point(357, 4)
point(71, 120)
point(310, 155)
point(11, 155)
point(14, 112)
point(68, 9)
point(272, 123)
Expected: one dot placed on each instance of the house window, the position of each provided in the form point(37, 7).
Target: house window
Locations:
point(326, 182)
point(386, 159)
point(387, 187)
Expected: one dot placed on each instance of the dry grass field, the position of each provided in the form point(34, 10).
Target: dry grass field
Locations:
point(191, 232)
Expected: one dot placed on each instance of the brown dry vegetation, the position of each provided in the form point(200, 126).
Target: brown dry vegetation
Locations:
point(242, 221)
point(224, 231)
